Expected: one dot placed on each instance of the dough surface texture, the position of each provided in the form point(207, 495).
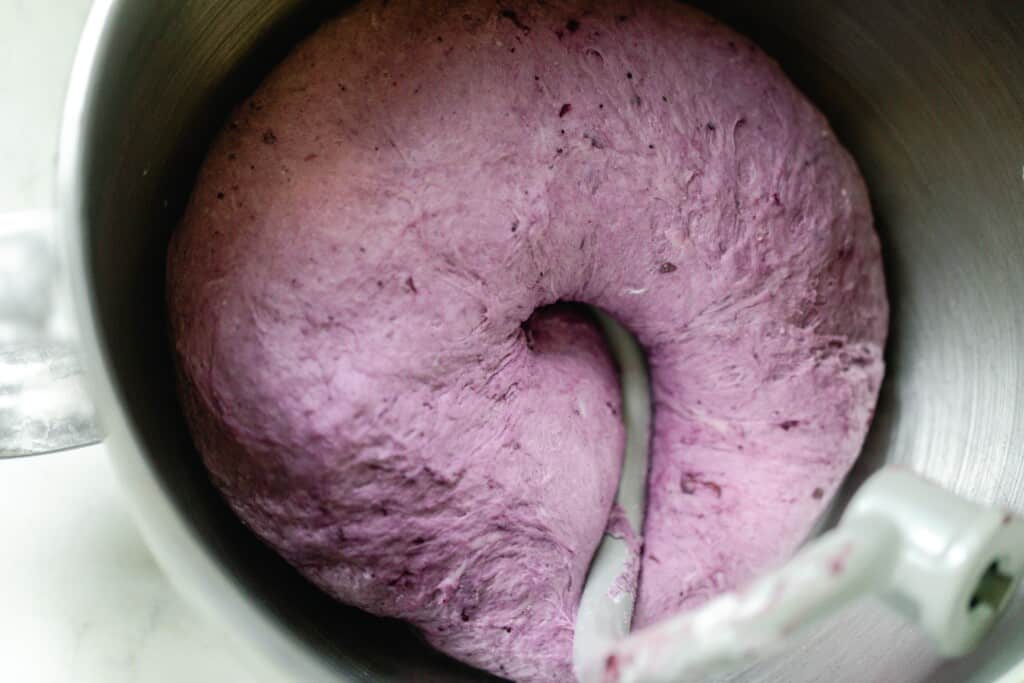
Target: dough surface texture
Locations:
point(352, 293)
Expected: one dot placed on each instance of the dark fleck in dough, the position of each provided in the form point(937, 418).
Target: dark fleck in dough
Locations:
point(352, 321)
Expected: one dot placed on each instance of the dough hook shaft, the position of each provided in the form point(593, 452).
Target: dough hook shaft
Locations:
point(947, 564)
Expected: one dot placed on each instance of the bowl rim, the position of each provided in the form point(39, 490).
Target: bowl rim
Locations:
point(191, 568)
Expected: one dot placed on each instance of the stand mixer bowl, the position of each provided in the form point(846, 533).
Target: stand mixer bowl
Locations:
point(929, 97)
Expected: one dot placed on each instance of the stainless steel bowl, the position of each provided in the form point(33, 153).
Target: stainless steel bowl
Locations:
point(929, 96)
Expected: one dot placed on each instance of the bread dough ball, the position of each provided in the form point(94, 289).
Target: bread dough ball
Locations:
point(353, 290)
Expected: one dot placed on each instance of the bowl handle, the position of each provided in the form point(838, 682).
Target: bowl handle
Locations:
point(43, 404)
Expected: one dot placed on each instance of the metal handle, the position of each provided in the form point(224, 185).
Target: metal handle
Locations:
point(43, 404)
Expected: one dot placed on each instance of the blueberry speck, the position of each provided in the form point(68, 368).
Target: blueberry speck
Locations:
point(786, 425)
point(711, 126)
point(629, 75)
point(566, 108)
point(818, 493)
point(220, 195)
point(667, 267)
point(572, 26)
point(514, 18)
point(269, 137)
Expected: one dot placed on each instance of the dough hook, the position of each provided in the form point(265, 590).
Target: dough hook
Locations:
point(943, 562)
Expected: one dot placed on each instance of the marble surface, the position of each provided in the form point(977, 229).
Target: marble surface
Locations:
point(81, 599)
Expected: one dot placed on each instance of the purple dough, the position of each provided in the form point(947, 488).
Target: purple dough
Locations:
point(351, 292)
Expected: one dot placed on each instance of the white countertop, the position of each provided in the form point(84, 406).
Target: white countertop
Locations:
point(82, 599)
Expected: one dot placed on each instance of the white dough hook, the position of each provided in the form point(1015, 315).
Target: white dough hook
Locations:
point(947, 564)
